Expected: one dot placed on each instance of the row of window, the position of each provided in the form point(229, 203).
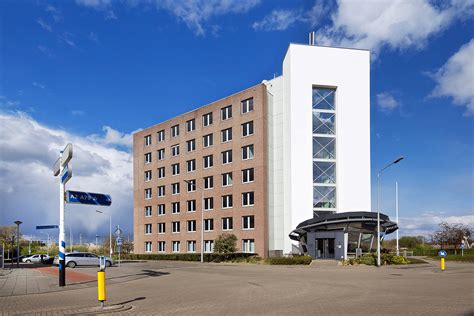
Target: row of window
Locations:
point(247, 153)
point(207, 120)
point(248, 246)
point(248, 175)
point(248, 199)
point(227, 223)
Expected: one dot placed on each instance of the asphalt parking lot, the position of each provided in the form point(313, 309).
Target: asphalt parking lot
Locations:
point(171, 288)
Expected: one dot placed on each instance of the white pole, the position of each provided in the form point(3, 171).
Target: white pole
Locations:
point(202, 226)
point(110, 235)
point(378, 220)
point(396, 214)
point(62, 243)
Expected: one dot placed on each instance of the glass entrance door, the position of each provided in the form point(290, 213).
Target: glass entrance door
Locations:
point(325, 248)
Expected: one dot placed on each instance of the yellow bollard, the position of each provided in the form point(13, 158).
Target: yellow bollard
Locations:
point(442, 264)
point(101, 287)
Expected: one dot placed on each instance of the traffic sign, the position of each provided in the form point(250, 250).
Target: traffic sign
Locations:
point(77, 197)
point(119, 241)
point(462, 246)
point(118, 232)
point(67, 155)
point(67, 174)
point(442, 253)
point(56, 167)
point(47, 227)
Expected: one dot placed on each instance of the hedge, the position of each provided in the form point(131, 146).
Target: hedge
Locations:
point(371, 259)
point(208, 257)
point(290, 260)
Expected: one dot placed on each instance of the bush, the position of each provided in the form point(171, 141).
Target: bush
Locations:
point(371, 259)
point(208, 257)
point(225, 243)
point(290, 260)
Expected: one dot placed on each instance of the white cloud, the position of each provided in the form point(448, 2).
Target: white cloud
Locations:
point(66, 37)
point(45, 50)
point(282, 19)
point(29, 192)
point(93, 37)
point(77, 112)
point(397, 24)
point(386, 102)
point(38, 85)
point(455, 78)
point(427, 223)
point(113, 137)
point(55, 12)
point(45, 25)
point(95, 4)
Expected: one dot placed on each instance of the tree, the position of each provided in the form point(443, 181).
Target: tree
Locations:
point(225, 243)
point(451, 234)
point(8, 238)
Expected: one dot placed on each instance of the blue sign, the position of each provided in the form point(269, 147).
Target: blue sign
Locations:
point(67, 174)
point(119, 241)
point(77, 197)
point(462, 246)
point(47, 227)
point(442, 253)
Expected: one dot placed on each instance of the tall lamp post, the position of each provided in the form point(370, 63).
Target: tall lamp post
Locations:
point(202, 217)
point(18, 243)
point(110, 230)
point(378, 205)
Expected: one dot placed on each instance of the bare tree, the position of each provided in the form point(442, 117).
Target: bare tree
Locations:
point(451, 235)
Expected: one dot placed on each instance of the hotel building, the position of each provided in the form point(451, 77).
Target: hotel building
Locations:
point(259, 162)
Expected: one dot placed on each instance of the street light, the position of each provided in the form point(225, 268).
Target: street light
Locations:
point(378, 205)
point(18, 243)
point(202, 217)
point(110, 230)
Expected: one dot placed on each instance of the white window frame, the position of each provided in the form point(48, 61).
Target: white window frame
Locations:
point(209, 203)
point(147, 176)
point(247, 221)
point(249, 194)
point(147, 158)
point(176, 246)
point(227, 221)
point(227, 178)
point(247, 151)
point(174, 131)
point(226, 157)
point(162, 228)
point(190, 125)
point(191, 145)
point(208, 162)
point(161, 172)
point(176, 227)
point(191, 246)
point(226, 135)
point(227, 201)
point(161, 209)
point(160, 153)
point(147, 140)
point(175, 208)
point(148, 194)
point(208, 183)
point(226, 112)
point(246, 173)
point(175, 150)
point(175, 169)
point(248, 245)
point(148, 229)
point(148, 211)
point(191, 226)
point(162, 246)
point(247, 105)
point(191, 203)
point(207, 119)
point(148, 246)
point(191, 185)
point(208, 246)
point(248, 129)
point(207, 223)
point(175, 188)
point(161, 135)
point(208, 140)
point(161, 191)
point(191, 163)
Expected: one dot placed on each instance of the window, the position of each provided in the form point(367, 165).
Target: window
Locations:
point(176, 246)
point(247, 175)
point(247, 199)
point(247, 105)
point(247, 152)
point(191, 145)
point(161, 172)
point(161, 191)
point(208, 162)
point(227, 201)
point(226, 135)
point(191, 205)
point(190, 125)
point(175, 227)
point(161, 209)
point(191, 226)
point(148, 247)
point(161, 246)
point(147, 175)
point(207, 140)
point(208, 204)
point(227, 179)
point(161, 228)
point(191, 246)
point(174, 150)
point(191, 165)
point(147, 229)
point(191, 185)
point(247, 129)
point(248, 222)
point(147, 140)
point(207, 119)
point(175, 188)
point(208, 245)
point(174, 130)
point(226, 112)
point(175, 207)
point(147, 211)
point(147, 194)
point(226, 157)
point(147, 158)
point(175, 169)
point(161, 154)
point(161, 135)
point(227, 223)
point(208, 182)
point(208, 224)
point(248, 245)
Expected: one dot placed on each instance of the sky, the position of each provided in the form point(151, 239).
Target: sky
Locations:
point(92, 72)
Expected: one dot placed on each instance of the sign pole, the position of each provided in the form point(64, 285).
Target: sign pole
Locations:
point(62, 243)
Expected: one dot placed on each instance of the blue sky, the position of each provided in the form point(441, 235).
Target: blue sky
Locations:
point(93, 71)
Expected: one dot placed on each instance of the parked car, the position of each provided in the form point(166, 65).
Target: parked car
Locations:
point(74, 259)
point(35, 258)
